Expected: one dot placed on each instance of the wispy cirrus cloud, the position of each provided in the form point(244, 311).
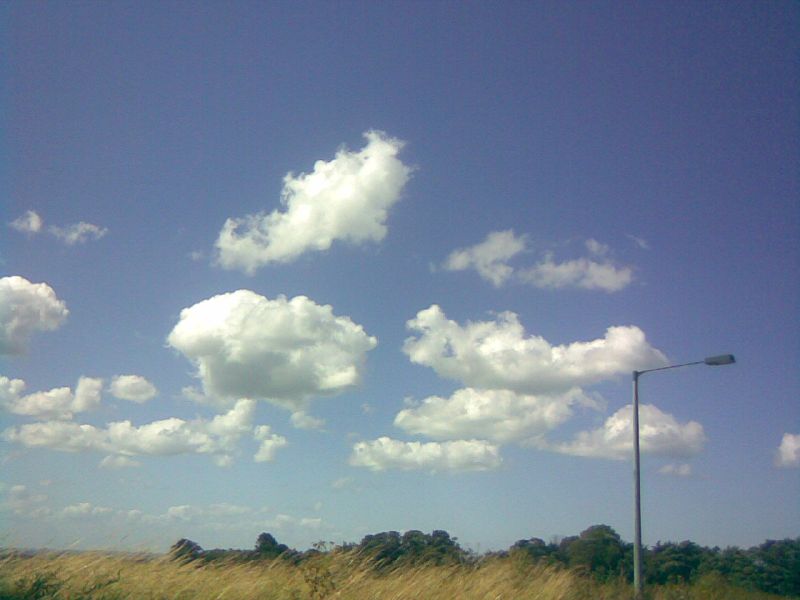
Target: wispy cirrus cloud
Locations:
point(345, 199)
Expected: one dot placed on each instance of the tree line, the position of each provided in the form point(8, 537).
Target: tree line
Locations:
point(598, 551)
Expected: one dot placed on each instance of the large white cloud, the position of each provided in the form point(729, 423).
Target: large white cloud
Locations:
point(460, 455)
point(789, 451)
point(217, 437)
point(58, 403)
point(498, 355)
point(501, 416)
point(26, 307)
point(133, 388)
point(285, 351)
point(659, 434)
point(347, 199)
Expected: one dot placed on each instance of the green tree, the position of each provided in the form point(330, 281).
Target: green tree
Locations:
point(599, 550)
point(268, 547)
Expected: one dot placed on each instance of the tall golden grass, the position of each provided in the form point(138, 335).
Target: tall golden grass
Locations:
point(77, 576)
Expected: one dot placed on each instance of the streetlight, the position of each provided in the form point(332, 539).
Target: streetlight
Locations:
point(714, 361)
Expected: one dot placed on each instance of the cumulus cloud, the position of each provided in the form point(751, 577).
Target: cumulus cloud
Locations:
point(659, 434)
point(489, 258)
point(30, 222)
point(581, 273)
point(460, 455)
point(285, 351)
point(347, 199)
point(216, 437)
point(788, 454)
point(58, 403)
point(26, 307)
point(78, 233)
point(134, 388)
point(270, 443)
point(498, 355)
point(501, 416)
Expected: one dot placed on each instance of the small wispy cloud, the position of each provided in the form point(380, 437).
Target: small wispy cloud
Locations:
point(30, 223)
point(639, 241)
point(490, 259)
point(788, 455)
point(78, 233)
point(676, 470)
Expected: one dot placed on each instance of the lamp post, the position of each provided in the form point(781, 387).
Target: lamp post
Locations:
point(714, 361)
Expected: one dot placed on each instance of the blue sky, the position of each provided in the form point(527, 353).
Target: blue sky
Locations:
point(327, 269)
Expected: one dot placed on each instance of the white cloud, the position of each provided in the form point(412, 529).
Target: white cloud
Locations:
point(347, 199)
point(85, 509)
point(659, 434)
point(217, 437)
point(459, 455)
point(581, 273)
point(500, 416)
point(22, 502)
point(596, 248)
point(26, 307)
point(676, 470)
point(489, 258)
point(58, 403)
point(640, 242)
point(498, 355)
point(118, 462)
point(78, 233)
point(302, 420)
point(789, 451)
point(285, 351)
point(270, 443)
point(134, 388)
point(30, 222)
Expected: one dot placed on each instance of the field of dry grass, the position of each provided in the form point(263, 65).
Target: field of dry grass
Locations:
point(78, 576)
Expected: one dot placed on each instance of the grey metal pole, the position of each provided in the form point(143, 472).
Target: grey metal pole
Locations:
point(638, 580)
point(637, 510)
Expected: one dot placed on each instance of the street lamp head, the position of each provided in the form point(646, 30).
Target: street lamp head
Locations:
point(722, 359)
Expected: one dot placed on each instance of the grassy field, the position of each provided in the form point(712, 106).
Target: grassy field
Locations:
point(77, 576)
